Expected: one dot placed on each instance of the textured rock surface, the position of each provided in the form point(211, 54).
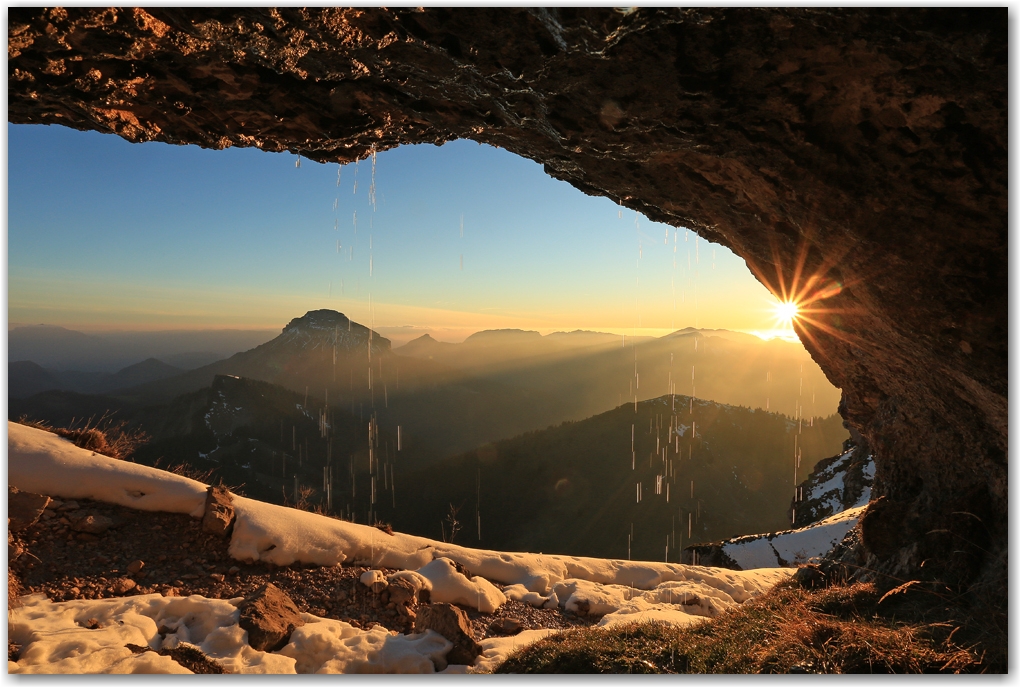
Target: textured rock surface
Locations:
point(24, 509)
point(835, 484)
point(452, 623)
point(219, 511)
point(269, 616)
point(856, 158)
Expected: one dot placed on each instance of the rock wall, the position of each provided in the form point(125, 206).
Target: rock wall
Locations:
point(855, 158)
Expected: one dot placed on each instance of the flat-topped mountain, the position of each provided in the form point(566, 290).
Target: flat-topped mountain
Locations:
point(320, 349)
point(326, 329)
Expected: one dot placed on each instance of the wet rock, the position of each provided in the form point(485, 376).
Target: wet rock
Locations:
point(24, 509)
point(452, 623)
point(269, 616)
point(219, 511)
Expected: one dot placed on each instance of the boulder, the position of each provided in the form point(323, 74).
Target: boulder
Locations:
point(219, 511)
point(269, 616)
point(452, 623)
point(24, 509)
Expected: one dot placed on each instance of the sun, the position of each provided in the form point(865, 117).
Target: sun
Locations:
point(786, 312)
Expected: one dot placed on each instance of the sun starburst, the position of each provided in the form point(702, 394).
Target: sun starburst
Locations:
point(786, 313)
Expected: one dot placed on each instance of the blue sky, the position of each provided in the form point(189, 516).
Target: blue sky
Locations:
point(104, 234)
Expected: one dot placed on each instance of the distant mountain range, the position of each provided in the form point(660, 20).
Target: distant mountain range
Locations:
point(26, 378)
point(539, 435)
point(448, 398)
point(58, 348)
point(587, 372)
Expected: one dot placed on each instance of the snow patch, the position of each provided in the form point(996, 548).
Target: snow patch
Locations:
point(793, 546)
point(44, 463)
point(450, 586)
point(54, 639)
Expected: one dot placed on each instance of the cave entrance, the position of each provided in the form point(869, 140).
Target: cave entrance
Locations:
point(872, 141)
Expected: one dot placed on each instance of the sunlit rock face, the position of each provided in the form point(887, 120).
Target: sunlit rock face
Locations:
point(857, 155)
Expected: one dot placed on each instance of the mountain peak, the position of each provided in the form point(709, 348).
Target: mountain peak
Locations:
point(319, 319)
point(327, 329)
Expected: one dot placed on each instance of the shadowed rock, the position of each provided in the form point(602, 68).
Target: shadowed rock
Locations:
point(24, 509)
point(269, 616)
point(452, 623)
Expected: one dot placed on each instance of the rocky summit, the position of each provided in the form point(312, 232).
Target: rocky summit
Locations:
point(326, 328)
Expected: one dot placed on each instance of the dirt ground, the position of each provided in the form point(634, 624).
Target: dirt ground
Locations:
point(178, 558)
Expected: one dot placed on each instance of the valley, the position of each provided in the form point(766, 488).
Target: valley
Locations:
point(518, 437)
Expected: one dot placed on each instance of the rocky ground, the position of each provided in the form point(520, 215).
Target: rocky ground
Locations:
point(94, 550)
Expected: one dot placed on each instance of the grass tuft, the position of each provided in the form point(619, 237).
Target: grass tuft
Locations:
point(102, 436)
point(839, 629)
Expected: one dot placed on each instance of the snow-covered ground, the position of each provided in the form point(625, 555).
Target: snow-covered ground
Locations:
point(622, 591)
point(793, 546)
point(829, 487)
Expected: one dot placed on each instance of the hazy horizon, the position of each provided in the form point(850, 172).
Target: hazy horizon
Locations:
point(398, 335)
point(106, 235)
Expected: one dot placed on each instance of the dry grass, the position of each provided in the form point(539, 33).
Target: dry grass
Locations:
point(841, 629)
point(13, 591)
point(102, 436)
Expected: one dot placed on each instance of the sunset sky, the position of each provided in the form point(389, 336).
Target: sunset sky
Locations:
point(104, 234)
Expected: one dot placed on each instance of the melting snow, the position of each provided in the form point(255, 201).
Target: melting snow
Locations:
point(793, 546)
point(623, 591)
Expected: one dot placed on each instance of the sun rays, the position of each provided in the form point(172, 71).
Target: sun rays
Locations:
point(802, 309)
